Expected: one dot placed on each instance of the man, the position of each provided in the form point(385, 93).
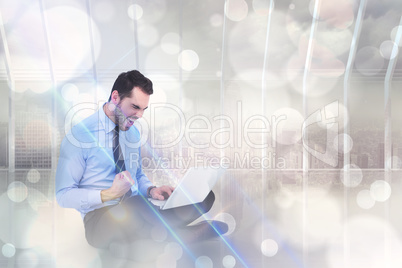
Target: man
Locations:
point(99, 174)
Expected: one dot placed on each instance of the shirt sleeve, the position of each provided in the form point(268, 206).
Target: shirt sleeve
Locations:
point(70, 169)
point(143, 182)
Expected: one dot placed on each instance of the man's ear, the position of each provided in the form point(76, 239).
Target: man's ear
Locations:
point(115, 98)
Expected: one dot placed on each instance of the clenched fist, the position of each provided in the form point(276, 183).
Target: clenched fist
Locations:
point(121, 184)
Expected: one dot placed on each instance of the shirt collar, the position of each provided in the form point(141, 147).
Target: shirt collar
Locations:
point(106, 122)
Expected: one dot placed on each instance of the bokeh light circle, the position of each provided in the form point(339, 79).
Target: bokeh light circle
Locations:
point(174, 250)
point(364, 199)
point(269, 247)
point(351, 175)
point(135, 12)
point(17, 191)
point(33, 176)
point(236, 10)
point(170, 43)
point(393, 35)
point(229, 220)
point(292, 6)
point(159, 233)
point(388, 49)
point(204, 262)
point(228, 261)
point(339, 143)
point(216, 20)
point(380, 190)
point(188, 60)
point(369, 61)
point(70, 92)
point(8, 250)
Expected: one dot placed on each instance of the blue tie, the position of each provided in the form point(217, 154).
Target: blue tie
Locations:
point(117, 153)
point(119, 158)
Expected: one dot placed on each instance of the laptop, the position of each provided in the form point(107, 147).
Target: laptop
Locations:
point(192, 188)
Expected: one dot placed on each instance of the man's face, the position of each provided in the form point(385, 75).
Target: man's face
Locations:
point(131, 108)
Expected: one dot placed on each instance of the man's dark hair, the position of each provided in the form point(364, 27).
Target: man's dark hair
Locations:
point(125, 82)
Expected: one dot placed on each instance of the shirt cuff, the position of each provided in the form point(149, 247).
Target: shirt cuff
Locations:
point(94, 198)
point(145, 187)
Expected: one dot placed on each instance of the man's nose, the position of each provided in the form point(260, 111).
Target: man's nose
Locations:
point(139, 113)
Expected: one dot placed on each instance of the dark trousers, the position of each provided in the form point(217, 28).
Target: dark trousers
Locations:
point(136, 217)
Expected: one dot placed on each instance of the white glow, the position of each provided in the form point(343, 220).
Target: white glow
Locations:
point(70, 92)
point(188, 60)
point(73, 241)
point(148, 35)
point(37, 199)
point(71, 46)
point(229, 261)
point(165, 261)
point(25, 255)
point(22, 217)
point(284, 198)
point(17, 191)
point(102, 94)
point(174, 249)
point(393, 34)
point(380, 190)
point(364, 199)
point(229, 220)
point(354, 175)
point(135, 12)
point(158, 97)
point(371, 242)
point(8, 250)
point(319, 82)
point(216, 20)
point(369, 61)
point(33, 176)
point(204, 262)
point(288, 126)
point(84, 105)
point(324, 219)
point(103, 10)
point(388, 49)
point(269, 247)
point(170, 43)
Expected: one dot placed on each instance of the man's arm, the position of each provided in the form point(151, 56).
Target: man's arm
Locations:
point(70, 169)
point(143, 182)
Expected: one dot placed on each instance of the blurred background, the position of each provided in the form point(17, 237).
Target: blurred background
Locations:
point(300, 99)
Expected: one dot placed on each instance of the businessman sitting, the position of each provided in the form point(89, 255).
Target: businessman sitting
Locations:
point(96, 176)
